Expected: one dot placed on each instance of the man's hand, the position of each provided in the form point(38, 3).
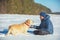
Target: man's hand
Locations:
point(33, 26)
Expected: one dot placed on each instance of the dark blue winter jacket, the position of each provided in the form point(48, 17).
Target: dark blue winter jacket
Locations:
point(46, 25)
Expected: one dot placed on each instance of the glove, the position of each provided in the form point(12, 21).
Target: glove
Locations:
point(33, 26)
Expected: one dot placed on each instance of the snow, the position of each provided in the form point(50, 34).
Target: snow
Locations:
point(8, 19)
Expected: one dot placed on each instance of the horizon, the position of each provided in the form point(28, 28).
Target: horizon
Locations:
point(52, 4)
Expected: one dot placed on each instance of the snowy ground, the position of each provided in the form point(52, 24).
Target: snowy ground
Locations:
point(8, 19)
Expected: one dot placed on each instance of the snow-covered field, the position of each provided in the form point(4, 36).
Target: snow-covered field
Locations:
point(8, 19)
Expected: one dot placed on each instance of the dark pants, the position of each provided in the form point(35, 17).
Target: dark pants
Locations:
point(40, 32)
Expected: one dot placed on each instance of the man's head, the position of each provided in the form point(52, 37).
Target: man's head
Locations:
point(42, 15)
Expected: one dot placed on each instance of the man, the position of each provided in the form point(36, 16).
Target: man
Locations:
point(45, 27)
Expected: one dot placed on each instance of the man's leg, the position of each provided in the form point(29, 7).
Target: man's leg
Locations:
point(37, 32)
point(40, 32)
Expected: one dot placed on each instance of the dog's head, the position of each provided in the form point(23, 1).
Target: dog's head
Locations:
point(29, 22)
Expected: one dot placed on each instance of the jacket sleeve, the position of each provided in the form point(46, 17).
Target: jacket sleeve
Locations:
point(39, 27)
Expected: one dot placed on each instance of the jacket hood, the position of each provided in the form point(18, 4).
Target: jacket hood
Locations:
point(46, 17)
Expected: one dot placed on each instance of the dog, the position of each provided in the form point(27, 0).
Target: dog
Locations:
point(22, 28)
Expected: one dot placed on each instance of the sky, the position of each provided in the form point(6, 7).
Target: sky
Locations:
point(54, 5)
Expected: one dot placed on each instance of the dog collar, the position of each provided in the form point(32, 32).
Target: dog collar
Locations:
point(27, 24)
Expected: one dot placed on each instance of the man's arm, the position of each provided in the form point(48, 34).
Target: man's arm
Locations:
point(34, 26)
